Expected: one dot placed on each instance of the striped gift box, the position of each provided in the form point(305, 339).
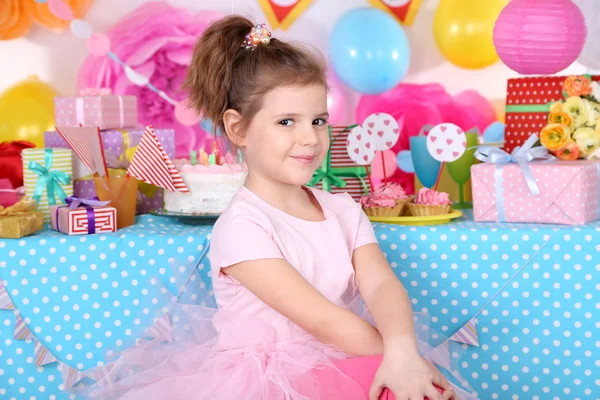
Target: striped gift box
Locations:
point(75, 221)
point(38, 175)
point(341, 164)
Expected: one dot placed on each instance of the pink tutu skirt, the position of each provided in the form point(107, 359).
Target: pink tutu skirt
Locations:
point(186, 359)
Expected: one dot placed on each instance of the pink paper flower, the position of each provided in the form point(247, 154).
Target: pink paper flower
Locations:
point(156, 40)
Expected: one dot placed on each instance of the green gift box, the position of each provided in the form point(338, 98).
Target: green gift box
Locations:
point(338, 173)
point(47, 177)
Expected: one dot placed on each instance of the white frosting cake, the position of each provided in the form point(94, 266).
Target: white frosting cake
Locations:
point(211, 188)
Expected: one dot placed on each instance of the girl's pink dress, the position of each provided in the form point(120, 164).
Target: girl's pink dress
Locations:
point(244, 349)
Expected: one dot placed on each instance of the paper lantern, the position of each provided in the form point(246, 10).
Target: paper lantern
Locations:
point(539, 36)
point(590, 56)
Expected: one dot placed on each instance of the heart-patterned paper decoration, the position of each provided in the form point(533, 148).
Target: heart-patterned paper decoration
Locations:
point(446, 142)
point(384, 129)
point(361, 146)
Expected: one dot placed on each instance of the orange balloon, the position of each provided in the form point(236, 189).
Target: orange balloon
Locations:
point(27, 111)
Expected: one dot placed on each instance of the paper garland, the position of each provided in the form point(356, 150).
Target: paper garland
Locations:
point(404, 11)
point(283, 13)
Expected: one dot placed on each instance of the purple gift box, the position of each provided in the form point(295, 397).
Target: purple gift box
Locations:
point(115, 142)
point(96, 108)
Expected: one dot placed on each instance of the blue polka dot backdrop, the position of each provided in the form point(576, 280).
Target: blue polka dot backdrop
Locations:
point(520, 302)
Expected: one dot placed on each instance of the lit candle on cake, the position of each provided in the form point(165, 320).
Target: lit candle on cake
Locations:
point(203, 157)
point(217, 153)
point(193, 158)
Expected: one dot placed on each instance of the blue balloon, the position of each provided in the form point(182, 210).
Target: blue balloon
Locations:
point(405, 162)
point(206, 124)
point(494, 133)
point(369, 50)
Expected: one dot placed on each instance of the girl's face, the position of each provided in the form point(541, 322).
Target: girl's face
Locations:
point(287, 139)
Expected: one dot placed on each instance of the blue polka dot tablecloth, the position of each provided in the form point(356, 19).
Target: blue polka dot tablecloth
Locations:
point(520, 302)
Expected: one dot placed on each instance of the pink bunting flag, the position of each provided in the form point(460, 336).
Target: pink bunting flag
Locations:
point(70, 375)
point(467, 334)
point(42, 355)
point(161, 329)
point(152, 165)
point(21, 331)
point(5, 301)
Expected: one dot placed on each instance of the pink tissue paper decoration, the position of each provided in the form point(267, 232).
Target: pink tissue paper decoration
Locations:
point(156, 40)
point(419, 105)
point(540, 37)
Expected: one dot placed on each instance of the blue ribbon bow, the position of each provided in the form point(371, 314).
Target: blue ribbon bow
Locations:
point(49, 179)
point(522, 155)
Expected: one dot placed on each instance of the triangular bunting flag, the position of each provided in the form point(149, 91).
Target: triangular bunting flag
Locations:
point(70, 375)
point(42, 355)
point(152, 165)
point(404, 11)
point(161, 329)
point(87, 145)
point(467, 334)
point(21, 331)
point(283, 13)
point(5, 301)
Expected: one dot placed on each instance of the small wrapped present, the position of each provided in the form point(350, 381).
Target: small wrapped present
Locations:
point(528, 103)
point(47, 177)
point(339, 173)
point(531, 186)
point(96, 107)
point(83, 216)
point(119, 146)
point(11, 167)
point(20, 219)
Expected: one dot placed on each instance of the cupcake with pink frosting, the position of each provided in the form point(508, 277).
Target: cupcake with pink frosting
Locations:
point(429, 202)
point(396, 192)
point(380, 205)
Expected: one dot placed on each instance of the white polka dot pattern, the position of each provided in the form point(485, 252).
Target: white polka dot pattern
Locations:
point(533, 289)
point(530, 91)
point(88, 295)
point(569, 192)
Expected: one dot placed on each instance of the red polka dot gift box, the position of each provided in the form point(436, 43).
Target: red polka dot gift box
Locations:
point(528, 104)
point(550, 191)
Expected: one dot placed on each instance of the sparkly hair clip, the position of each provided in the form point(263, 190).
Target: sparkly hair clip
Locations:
point(258, 34)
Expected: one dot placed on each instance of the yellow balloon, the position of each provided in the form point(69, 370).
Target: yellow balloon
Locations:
point(27, 111)
point(463, 31)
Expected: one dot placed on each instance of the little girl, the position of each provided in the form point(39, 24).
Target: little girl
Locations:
point(290, 264)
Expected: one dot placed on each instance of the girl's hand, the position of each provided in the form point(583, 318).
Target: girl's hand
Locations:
point(410, 377)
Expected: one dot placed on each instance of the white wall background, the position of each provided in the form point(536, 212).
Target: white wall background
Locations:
point(56, 58)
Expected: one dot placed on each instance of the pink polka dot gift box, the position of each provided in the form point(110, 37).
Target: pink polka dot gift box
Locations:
point(528, 104)
point(96, 107)
point(554, 192)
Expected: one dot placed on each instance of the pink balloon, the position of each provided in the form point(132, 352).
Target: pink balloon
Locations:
point(478, 107)
point(98, 44)
point(336, 101)
point(390, 162)
point(60, 9)
point(186, 116)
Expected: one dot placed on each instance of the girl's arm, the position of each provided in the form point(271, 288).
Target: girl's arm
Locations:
point(403, 370)
point(385, 297)
point(280, 286)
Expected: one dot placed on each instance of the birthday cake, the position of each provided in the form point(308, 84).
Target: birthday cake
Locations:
point(212, 183)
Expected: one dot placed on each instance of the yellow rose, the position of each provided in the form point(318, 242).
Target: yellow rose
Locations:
point(587, 140)
point(577, 110)
point(592, 113)
point(557, 106)
point(555, 136)
point(560, 117)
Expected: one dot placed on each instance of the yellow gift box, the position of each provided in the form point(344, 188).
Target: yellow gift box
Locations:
point(20, 219)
